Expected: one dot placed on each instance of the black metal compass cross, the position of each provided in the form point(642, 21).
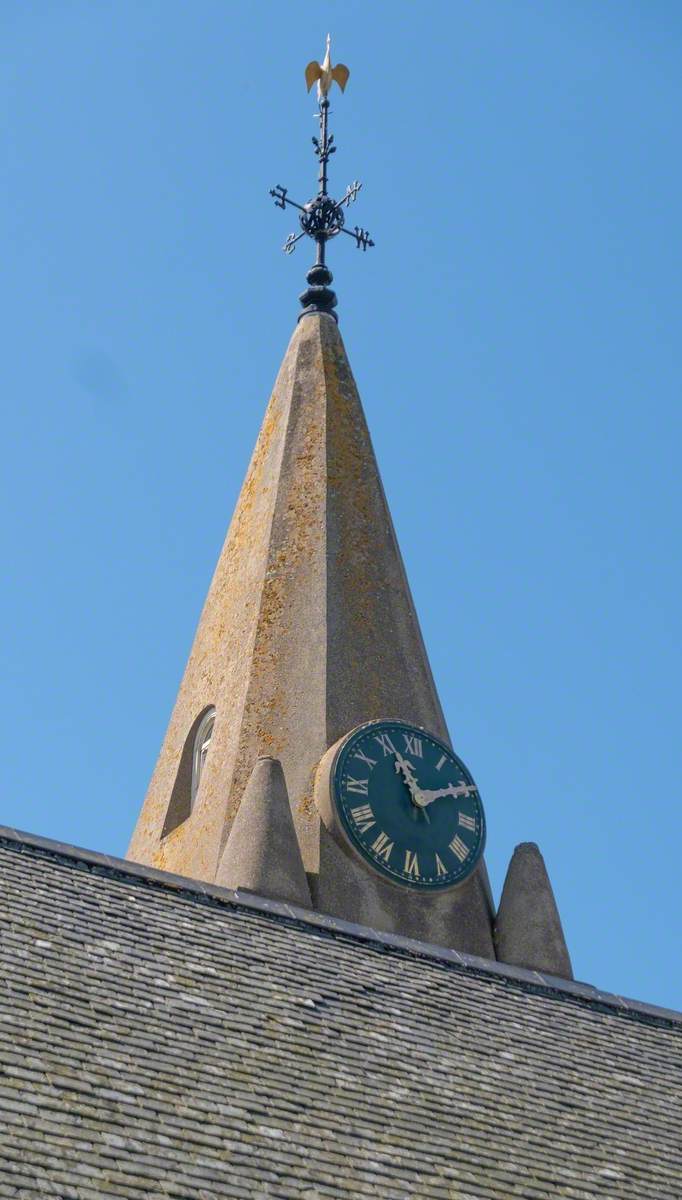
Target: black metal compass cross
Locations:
point(321, 219)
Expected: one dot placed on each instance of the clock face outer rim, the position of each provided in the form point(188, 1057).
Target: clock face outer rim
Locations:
point(325, 802)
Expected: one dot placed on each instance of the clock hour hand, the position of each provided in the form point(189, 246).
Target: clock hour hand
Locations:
point(425, 796)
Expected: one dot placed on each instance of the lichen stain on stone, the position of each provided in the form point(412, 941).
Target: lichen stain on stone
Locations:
point(219, 641)
point(306, 802)
point(268, 718)
point(295, 533)
point(311, 492)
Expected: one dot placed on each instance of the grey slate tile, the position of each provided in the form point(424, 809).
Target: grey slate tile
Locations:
point(162, 1039)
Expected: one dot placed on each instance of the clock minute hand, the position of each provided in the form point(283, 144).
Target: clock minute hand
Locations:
point(459, 789)
point(404, 768)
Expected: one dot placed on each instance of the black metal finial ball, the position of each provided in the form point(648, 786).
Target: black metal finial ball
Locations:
point(318, 296)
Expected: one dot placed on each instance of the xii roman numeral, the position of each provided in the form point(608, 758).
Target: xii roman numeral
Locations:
point(413, 744)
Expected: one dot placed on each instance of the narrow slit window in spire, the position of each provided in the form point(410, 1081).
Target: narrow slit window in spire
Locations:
point(202, 742)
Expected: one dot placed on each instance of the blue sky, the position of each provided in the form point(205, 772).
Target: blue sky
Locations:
point(515, 335)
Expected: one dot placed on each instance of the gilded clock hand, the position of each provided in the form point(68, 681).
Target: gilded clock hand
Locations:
point(426, 796)
point(405, 768)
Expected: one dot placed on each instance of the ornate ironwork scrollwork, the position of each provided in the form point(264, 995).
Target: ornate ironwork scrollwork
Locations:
point(322, 217)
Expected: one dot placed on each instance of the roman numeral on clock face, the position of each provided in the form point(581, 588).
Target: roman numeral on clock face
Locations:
point(411, 864)
point(459, 848)
point(440, 869)
point(440, 762)
point(369, 762)
point(382, 847)
point(357, 785)
point(467, 822)
point(363, 817)
point(413, 744)
point(386, 744)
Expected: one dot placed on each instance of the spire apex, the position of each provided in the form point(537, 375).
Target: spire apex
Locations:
point(322, 217)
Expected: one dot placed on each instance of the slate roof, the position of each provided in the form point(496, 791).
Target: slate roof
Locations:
point(160, 1038)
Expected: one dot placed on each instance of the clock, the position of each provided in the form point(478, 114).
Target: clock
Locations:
point(399, 798)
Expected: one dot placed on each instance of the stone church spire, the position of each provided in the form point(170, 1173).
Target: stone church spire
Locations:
point(309, 632)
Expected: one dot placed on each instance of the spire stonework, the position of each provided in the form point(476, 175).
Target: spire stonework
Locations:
point(308, 629)
point(308, 652)
point(262, 851)
point(528, 930)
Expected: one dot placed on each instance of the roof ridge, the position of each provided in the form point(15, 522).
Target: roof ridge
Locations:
point(536, 981)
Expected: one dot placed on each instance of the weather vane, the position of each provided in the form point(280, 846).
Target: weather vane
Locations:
point(322, 218)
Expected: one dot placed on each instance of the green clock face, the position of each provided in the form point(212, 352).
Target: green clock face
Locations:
point(408, 805)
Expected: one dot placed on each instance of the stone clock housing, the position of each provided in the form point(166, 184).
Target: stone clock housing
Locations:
point(397, 797)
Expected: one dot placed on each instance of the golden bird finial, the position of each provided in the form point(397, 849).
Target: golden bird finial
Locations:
point(324, 73)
